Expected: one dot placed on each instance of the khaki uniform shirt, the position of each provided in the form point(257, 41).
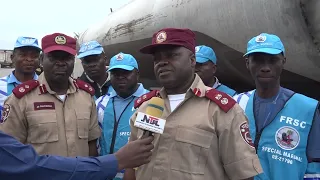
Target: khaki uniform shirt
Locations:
point(49, 124)
point(200, 141)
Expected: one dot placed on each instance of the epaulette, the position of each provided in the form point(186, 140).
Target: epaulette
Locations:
point(23, 89)
point(84, 86)
point(145, 97)
point(224, 101)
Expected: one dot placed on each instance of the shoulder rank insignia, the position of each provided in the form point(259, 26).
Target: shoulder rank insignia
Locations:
point(25, 88)
point(224, 101)
point(84, 86)
point(145, 97)
point(43, 89)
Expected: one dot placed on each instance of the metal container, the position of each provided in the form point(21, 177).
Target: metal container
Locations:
point(226, 26)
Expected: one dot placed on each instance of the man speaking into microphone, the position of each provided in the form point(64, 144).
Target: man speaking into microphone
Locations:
point(201, 133)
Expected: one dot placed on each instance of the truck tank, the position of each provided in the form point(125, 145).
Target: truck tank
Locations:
point(226, 26)
point(5, 58)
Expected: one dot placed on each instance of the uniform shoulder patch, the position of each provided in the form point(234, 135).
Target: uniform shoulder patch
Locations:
point(224, 101)
point(145, 97)
point(25, 88)
point(84, 86)
point(5, 113)
point(245, 134)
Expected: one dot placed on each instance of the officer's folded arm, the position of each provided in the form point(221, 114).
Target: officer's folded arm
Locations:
point(237, 150)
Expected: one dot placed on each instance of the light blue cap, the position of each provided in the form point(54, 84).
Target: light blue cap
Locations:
point(205, 54)
point(123, 61)
point(27, 42)
point(90, 48)
point(265, 43)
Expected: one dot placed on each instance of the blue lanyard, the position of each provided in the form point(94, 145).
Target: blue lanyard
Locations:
point(116, 123)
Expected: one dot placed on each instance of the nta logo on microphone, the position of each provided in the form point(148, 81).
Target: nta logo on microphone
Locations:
point(150, 120)
point(149, 123)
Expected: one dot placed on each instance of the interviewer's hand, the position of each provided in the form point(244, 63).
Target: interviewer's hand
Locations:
point(135, 153)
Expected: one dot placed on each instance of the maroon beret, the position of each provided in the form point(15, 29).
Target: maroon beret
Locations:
point(58, 41)
point(171, 36)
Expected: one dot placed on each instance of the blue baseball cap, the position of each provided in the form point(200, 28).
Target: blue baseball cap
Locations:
point(265, 43)
point(205, 54)
point(27, 42)
point(90, 48)
point(123, 61)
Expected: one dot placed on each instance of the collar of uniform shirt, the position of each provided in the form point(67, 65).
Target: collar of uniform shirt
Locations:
point(92, 81)
point(42, 80)
point(197, 84)
point(216, 84)
point(12, 78)
point(139, 92)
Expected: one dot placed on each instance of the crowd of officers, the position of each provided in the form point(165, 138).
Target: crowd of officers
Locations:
point(211, 131)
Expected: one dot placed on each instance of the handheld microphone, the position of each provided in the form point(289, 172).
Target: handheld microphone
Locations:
point(155, 107)
point(150, 121)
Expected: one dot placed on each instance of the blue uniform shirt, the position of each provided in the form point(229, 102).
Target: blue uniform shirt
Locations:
point(265, 110)
point(19, 161)
point(13, 80)
point(7, 84)
point(223, 88)
point(121, 103)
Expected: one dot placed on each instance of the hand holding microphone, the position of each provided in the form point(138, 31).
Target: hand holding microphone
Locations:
point(141, 149)
point(150, 121)
point(135, 153)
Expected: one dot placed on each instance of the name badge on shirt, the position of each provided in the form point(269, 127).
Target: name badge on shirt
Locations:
point(43, 106)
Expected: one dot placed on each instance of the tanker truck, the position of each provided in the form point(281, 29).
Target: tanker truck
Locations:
point(5, 58)
point(226, 26)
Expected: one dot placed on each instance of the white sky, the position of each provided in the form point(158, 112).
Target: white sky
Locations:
point(37, 18)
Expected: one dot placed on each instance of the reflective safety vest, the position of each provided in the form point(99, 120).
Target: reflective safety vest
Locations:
point(5, 90)
point(115, 134)
point(226, 90)
point(282, 144)
point(313, 172)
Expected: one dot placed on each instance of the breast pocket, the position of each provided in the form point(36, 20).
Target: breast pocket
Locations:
point(83, 121)
point(190, 151)
point(43, 127)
